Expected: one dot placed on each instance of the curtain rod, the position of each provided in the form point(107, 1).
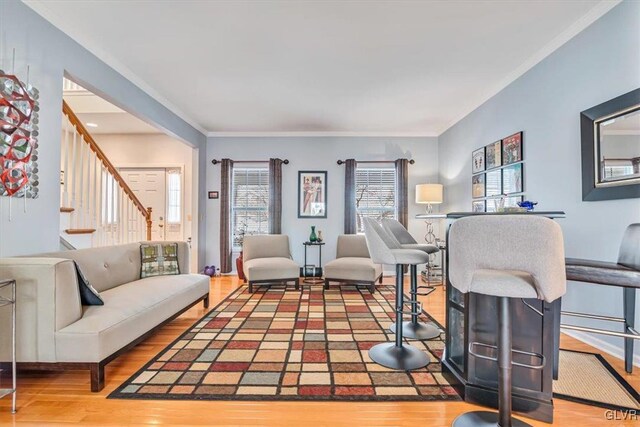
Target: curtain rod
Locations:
point(216, 161)
point(341, 162)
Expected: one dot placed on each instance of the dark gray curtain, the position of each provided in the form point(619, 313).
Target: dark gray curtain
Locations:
point(226, 171)
point(402, 191)
point(350, 225)
point(275, 196)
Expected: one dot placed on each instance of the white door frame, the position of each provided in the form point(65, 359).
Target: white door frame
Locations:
point(193, 232)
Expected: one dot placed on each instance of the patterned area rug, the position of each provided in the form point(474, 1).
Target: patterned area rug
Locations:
point(289, 345)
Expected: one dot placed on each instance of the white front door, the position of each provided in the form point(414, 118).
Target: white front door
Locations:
point(150, 187)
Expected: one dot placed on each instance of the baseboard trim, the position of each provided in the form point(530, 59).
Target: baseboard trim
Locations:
point(610, 349)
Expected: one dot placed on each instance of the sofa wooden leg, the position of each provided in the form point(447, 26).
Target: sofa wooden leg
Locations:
point(205, 301)
point(297, 283)
point(326, 284)
point(380, 279)
point(372, 287)
point(97, 377)
point(250, 287)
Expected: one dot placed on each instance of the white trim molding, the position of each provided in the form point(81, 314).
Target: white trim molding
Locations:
point(610, 349)
point(302, 134)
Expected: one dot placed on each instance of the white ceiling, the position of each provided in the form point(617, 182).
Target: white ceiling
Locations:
point(109, 119)
point(322, 67)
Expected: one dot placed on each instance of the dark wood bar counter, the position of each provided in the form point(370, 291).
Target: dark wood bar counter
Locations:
point(473, 318)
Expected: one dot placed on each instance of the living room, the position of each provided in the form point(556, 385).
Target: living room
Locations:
point(305, 120)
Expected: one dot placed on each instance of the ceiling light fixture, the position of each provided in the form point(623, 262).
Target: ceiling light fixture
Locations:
point(91, 125)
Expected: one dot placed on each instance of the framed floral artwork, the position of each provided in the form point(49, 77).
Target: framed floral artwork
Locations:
point(493, 183)
point(512, 149)
point(512, 179)
point(493, 155)
point(477, 161)
point(477, 186)
point(478, 206)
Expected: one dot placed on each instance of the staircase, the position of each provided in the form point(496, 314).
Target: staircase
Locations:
point(97, 207)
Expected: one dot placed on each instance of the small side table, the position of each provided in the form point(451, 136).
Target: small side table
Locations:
point(12, 302)
point(312, 273)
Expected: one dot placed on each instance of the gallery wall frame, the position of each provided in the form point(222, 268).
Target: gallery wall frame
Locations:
point(498, 173)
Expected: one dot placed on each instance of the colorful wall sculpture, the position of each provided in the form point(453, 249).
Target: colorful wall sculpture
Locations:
point(18, 138)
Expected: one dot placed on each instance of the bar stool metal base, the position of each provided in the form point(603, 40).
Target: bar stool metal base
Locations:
point(418, 331)
point(404, 358)
point(484, 419)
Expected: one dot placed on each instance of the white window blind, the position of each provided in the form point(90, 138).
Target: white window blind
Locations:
point(249, 203)
point(375, 194)
point(174, 197)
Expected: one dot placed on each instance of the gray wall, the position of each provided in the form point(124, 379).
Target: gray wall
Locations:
point(600, 63)
point(50, 53)
point(318, 154)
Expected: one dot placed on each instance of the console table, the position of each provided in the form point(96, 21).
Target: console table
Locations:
point(471, 317)
point(312, 273)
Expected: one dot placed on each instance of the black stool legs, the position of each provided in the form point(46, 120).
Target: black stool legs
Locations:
point(414, 329)
point(399, 355)
point(503, 417)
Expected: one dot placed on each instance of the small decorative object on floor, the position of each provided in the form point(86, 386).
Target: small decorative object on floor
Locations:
point(240, 266)
point(210, 270)
point(320, 238)
point(528, 205)
point(313, 237)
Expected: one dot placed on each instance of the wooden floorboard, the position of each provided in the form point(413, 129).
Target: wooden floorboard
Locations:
point(64, 398)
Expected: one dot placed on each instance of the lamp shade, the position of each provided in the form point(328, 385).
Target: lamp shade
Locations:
point(429, 193)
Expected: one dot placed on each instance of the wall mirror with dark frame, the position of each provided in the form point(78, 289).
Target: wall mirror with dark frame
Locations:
point(610, 135)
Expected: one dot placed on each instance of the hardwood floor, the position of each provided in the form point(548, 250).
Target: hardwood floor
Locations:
point(53, 398)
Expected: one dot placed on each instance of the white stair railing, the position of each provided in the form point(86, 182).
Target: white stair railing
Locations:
point(93, 192)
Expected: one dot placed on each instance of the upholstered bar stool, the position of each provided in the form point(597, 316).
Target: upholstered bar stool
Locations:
point(383, 250)
point(506, 256)
point(413, 329)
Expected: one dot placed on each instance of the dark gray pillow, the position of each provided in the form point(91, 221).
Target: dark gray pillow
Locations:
point(88, 294)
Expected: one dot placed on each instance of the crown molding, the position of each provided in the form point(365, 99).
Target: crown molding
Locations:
point(47, 12)
point(577, 27)
point(322, 134)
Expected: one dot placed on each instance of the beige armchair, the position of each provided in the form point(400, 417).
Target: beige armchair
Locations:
point(353, 265)
point(267, 261)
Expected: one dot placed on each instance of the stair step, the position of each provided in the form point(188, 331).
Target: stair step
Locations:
point(67, 210)
point(80, 230)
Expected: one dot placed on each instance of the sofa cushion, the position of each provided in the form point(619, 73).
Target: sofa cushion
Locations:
point(352, 268)
point(274, 268)
point(110, 266)
point(88, 294)
point(265, 246)
point(159, 259)
point(352, 245)
point(129, 311)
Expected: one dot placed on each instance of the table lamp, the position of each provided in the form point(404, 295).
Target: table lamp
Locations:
point(429, 194)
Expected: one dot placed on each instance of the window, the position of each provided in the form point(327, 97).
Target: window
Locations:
point(249, 203)
point(174, 196)
point(614, 169)
point(375, 194)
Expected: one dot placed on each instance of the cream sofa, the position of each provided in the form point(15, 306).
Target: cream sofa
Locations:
point(353, 265)
point(266, 260)
point(55, 332)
